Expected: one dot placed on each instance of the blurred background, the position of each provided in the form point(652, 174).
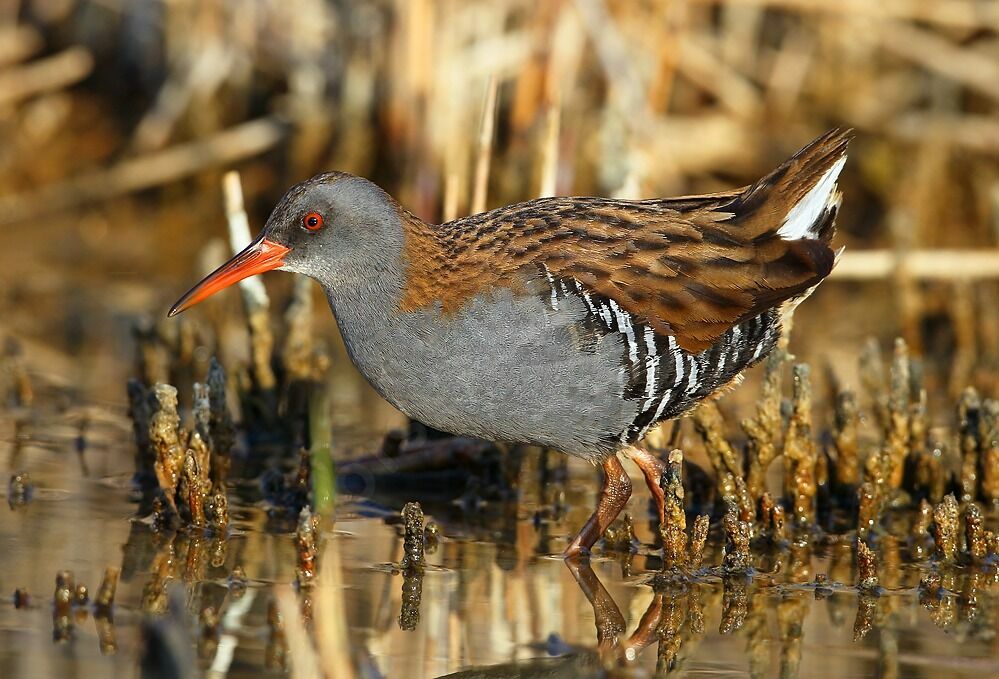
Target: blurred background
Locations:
point(118, 119)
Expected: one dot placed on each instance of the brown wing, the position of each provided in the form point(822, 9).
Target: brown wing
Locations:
point(690, 267)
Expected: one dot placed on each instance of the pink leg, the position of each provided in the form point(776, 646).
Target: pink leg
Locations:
point(614, 494)
point(652, 469)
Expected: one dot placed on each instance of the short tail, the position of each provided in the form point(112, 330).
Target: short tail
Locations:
point(799, 199)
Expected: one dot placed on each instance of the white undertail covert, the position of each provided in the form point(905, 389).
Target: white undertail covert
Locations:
point(804, 217)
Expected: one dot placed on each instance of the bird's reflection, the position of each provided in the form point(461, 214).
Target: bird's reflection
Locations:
point(674, 616)
point(610, 623)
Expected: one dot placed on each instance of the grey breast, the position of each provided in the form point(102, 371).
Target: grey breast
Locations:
point(563, 368)
point(507, 367)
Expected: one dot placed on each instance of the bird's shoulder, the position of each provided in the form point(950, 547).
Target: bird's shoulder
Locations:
point(690, 268)
point(652, 257)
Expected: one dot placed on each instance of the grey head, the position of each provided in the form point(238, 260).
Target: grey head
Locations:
point(341, 230)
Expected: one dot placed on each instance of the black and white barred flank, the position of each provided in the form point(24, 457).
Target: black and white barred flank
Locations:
point(665, 379)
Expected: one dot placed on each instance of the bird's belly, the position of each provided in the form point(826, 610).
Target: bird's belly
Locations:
point(502, 368)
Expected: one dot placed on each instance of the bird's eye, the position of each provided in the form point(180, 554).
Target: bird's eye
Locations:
point(313, 221)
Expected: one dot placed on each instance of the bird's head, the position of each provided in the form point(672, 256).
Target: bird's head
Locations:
point(330, 227)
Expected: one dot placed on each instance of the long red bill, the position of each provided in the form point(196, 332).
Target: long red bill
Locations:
point(259, 256)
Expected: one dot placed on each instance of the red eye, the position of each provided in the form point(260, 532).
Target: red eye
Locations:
point(313, 221)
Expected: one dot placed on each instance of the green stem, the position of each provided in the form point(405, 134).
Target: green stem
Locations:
point(320, 436)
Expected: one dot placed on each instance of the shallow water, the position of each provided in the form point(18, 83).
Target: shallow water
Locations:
point(495, 601)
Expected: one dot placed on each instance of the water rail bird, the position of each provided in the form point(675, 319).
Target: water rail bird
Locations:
point(575, 323)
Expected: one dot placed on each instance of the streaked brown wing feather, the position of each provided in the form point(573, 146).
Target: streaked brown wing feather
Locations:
point(690, 267)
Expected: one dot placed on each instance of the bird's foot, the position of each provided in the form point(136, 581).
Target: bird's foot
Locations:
point(576, 551)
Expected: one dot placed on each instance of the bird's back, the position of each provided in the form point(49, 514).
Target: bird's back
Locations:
point(692, 267)
point(655, 304)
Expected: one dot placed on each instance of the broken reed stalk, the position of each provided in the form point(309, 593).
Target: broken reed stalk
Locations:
point(738, 558)
point(189, 469)
point(867, 567)
point(306, 547)
point(940, 15)
point(485, 149)
point(254, 295)
point(969, 413)
point(413, 547)
point(674, 527)
point(764, 430)
point(897, 435)
point(868, 509)
point(963, 318)
point(872, 377)
point(945, 525)
point(772, 518)
point(974, 532)
point(845, 440)
point(799, 450)
point(620, 535)
point(727, 465)
point(988, 455)
point(449, 208)
point(922, 462)
point(412, 565)
point(920, 531)
point(189, 490)
point(164, 438)
point(221, 428)
point(698, 538)
point(104, 602)
point(922, 265)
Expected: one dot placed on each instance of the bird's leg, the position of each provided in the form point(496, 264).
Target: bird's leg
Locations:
point(652, 469)
point(614, 494)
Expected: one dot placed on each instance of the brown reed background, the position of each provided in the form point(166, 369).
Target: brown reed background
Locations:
point(118, 119)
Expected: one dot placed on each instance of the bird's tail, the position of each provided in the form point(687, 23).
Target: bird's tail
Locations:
point(799, 199)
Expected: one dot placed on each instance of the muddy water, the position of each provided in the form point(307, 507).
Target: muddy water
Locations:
point(494, 600)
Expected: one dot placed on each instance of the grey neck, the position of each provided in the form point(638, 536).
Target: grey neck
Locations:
point(366, 306)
